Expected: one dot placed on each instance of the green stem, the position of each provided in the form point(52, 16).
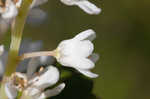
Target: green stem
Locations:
point(2, 92)
point(16, 37)
point(25, 97)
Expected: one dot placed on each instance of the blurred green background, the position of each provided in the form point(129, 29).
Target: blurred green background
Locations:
point(123, 37)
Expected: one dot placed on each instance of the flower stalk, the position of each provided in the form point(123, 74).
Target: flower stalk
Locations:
point(16, 37)
point(2, 92)
point(37, 54)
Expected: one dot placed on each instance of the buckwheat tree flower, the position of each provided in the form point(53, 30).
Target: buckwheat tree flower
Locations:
point(76, 53)
point(85, 5)
point(9, 10)
point(36, 86)
point(40, 83)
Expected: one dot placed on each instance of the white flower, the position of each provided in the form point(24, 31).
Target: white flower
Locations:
point(85, 5)
point(75, 52)
point(35, 86)
point(39, 83)
point(45, 80)
point(10, 10)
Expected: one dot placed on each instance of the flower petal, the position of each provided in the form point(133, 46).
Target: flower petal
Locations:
point(48, 78)
point(31, 91)
point(83, 49)
point(88, 73)
point(77, 62)
point(11, 92)
point(68, 2)
point(88, 7)
point(65, 47)
point(86, 35)
point(85, 5)
point(18, 3)
point(11, 10)
point(75, 48)
point(55, 91)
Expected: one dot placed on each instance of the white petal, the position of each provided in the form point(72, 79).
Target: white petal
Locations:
point(77, 62)
point(86, 35)
point(94, 57)
point(88, 7)
point(50, 92)
point(31, 91)
point(68, 2)
point(75, 48)
point(55, 91)
point(10, 91)
point(18, 4)
point(11, 10)
point(67, 47)
point(83, 49)
point(41, 96)
point(49, 78)
point(1, 49)
point(88, 73)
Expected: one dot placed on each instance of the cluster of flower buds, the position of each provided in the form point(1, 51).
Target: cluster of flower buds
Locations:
point(38, 82)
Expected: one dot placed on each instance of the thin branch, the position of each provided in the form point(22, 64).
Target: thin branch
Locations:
point(36, 54)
